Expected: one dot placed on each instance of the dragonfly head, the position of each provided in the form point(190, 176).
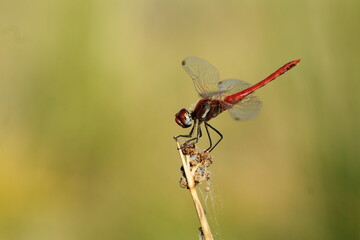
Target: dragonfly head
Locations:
point(183, 118)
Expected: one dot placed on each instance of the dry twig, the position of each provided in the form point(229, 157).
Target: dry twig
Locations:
point(194, 171)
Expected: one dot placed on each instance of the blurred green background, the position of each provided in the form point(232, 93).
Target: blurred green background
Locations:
point(88, 93)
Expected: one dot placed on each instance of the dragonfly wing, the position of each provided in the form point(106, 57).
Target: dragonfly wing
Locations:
point(204, 75)
point(231, 86)
point(246, 109)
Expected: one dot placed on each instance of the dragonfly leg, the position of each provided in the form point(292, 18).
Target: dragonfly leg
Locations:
point(207, 131)
point(198, 136)
point(221, 137)
point(188, 135)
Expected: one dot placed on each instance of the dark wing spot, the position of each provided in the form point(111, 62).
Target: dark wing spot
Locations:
point(183, 63)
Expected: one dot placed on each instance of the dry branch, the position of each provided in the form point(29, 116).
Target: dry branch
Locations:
point(190, 173)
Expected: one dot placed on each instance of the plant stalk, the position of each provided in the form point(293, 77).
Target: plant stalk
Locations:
point(192, 187)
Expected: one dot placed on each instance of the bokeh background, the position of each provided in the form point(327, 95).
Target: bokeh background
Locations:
point(88, 93)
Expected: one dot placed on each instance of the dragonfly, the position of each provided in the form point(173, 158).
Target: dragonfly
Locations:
point(217, 96)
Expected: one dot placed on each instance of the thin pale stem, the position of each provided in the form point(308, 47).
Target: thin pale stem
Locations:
point(192, 187)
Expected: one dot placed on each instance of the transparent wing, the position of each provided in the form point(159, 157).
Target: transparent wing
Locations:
point(231, 86)
point(246, 109)
point(204, 75)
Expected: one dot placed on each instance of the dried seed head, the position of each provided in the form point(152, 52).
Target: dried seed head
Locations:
point(199, 162)
point(208, 176)
point(183, 182)
point(188, 149)
point(193, 163)
point(205, 157)
point(199, 177)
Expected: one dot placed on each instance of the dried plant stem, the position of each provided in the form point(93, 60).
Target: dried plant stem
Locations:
point(192, 187)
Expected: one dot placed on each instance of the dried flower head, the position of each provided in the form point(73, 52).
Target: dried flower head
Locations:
point(183, 182)
point(188, 149)
point(199, 163)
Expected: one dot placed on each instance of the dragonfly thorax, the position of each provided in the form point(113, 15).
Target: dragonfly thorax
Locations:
point(207, 109)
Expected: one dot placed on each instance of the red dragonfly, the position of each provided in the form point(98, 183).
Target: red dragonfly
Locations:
point(217, 96)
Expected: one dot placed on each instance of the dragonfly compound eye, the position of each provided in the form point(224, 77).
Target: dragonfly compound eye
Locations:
point(183, 118)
